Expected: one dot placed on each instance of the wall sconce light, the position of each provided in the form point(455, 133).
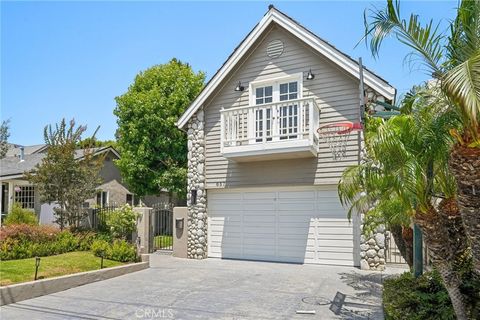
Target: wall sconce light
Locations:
point(239, 87)
point(179, 223)
point(310, 75)
point(193, 198)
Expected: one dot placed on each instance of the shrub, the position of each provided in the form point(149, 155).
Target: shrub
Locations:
point(121, 222)
point(28, 232)
point(122, 251)
point(425, 297)
point(26, 241)
point(119, 250)
point(85, 239)
point(100, 247)
point(18, 215)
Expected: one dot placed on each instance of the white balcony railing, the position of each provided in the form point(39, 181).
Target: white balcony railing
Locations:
point(280, 127)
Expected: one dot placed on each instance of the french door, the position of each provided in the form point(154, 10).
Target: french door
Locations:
point(277, 112)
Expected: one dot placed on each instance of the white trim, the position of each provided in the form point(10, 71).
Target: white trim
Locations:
point(273, 15)
point(271, 148)
point(275, 83)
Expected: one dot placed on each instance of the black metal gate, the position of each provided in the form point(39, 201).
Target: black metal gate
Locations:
point(392, 253)
point(162, 222)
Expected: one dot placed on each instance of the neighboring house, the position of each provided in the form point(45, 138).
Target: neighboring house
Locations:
point(261, 184)
point(15, 188)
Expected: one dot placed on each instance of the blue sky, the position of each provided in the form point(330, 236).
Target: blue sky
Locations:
point(71, 59)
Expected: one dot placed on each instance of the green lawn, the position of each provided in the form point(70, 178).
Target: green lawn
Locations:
point(160, 242)
point(13, 271)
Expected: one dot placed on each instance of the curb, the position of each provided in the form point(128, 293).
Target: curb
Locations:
point(28, 290)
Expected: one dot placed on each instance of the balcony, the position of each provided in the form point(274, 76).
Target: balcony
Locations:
point(279, 130)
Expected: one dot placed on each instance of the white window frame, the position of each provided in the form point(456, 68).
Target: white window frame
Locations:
point(27, 201)
point(275, 83)
point(102, 192)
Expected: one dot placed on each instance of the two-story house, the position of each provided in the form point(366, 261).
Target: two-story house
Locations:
point(262, 184)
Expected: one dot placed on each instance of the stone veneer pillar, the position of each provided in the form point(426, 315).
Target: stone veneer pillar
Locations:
point(197, 217)
point(372, 249)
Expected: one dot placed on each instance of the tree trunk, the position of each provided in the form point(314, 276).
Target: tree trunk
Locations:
point(465, 166)
point(444, 251)
point(402, 246)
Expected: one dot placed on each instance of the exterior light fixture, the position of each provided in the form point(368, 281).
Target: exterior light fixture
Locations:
point(102, 255)
point(239, 87)
point(193, 199)
point(310, 75)
point(37, 265)
point(179, 223)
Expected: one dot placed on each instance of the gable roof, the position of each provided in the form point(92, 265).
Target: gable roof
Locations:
point(11, 167)
point(14, 149)
point(273, 15)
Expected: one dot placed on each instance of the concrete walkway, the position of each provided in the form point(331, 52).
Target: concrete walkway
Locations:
point(216, 289)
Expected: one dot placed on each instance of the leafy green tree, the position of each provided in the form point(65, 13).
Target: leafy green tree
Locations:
point(63, 178)
point(4, 134)
point(92, 142)
point(154, 150)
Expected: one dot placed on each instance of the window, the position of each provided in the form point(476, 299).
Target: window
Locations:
point(25, 195)
point(102, 199)
point(129, 199)
point(288, 91)
point(263, 95)
point(278, 114)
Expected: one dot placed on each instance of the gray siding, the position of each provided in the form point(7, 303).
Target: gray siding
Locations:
point(335, 91)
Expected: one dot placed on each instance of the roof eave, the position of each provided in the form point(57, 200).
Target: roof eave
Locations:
point(324, 48)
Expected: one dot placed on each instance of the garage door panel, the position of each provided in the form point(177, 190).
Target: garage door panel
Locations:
point(259, 195)
point(303, 226)
point(252, 208)
point(335, 255)
point(321, 236)
point(337, 223)
point(230, 207)
point(302, 229)
point(225, 196)
point(291, 218)
point(259, 231)
point(222, 220)
point(295, 195)
point(334, 243)
point(259, 219)
point(262, 253)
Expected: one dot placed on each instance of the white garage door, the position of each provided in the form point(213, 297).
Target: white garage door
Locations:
point(288, 225)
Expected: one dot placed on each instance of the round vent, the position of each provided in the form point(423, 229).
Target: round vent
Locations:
point(275, 49)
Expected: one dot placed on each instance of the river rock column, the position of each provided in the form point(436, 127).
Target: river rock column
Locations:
point(197, 218)
point(372, 249)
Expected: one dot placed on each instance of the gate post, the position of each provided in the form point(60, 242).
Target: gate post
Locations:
point(144, 230)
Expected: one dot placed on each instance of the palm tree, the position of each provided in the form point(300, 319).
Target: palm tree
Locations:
point(454, 61)
point(393, 184)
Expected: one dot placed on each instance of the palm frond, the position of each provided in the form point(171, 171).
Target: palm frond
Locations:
point(426, 41)
point(462, 84)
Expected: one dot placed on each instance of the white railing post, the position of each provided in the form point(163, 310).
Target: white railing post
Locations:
point(311, 118)
point(222, 130)
point(301, 106)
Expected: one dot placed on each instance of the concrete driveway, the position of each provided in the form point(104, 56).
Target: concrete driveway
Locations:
point(216, 289)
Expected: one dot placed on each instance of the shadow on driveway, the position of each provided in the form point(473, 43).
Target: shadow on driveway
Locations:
point(365, 302)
